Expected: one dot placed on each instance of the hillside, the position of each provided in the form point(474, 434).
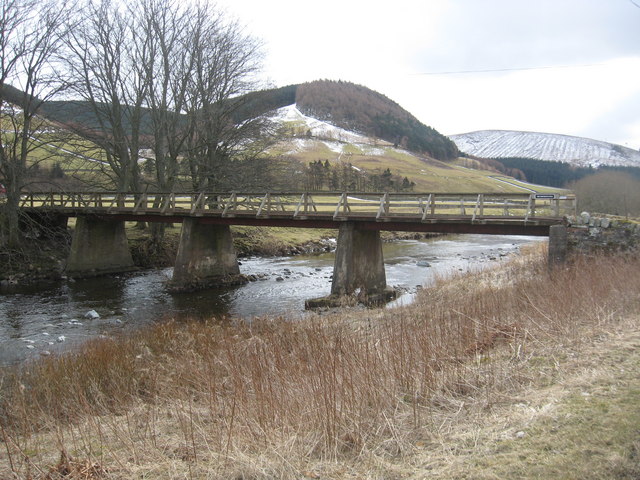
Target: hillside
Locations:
point(352, 107)
point(363, 141)
point(580, 152)
point(309, 139)
point(363, 110)
point(80, 115)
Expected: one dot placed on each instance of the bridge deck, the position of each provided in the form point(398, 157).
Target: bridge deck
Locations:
point(529, 214)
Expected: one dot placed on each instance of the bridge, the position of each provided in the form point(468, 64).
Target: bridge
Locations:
point(206, 255)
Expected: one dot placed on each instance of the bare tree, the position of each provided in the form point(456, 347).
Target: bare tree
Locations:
point(222, 125)
point(194, 59)
point(30, 36)
point(154, 73)
point(105, 65)
point(167, 68)
point(168, 72)
point(609, 192)
point(175, 71)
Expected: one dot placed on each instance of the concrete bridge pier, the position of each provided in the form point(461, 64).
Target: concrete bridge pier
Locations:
point(358, 270)
point(205, 258)
point(98, 247)
point(558, 246)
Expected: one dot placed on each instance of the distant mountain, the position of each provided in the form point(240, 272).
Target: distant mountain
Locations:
point(313, 142)
point(580, 152)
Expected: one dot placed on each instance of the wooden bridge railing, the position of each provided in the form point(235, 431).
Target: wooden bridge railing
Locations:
point(423, 207)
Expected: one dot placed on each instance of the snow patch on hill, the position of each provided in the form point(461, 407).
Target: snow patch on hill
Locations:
point(318, 128)
point(545, 146)
point(334, 138)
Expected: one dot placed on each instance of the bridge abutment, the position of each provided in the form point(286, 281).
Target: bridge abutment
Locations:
point(98, 247)
point(206, 257)
point(558, 245)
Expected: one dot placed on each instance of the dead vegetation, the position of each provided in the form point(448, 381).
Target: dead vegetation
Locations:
point(373, 394)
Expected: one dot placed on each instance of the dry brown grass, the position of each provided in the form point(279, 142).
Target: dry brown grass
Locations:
point(354, 395)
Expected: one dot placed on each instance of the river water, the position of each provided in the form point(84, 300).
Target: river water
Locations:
point(48, 318)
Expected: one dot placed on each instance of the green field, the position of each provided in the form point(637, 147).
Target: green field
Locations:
point(428, 174)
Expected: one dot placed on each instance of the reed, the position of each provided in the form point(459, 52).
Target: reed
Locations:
point(275, 398)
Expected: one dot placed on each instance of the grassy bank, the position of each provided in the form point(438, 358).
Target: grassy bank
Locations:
point(510, 373)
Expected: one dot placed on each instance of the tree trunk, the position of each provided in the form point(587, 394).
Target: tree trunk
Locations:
point(12, 214)
point(157, 236)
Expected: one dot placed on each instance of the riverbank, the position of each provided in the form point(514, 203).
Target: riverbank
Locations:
point(507, 373)
point(41, 314)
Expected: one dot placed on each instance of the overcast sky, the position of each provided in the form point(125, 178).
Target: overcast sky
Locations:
point(558, 66)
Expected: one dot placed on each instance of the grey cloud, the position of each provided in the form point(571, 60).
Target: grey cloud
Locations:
point(495, 34)
point(611, 125)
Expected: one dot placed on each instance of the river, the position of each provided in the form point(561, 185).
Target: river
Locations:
point(48, 318)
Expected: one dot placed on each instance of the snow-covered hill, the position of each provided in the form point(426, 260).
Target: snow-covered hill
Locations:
point(335, 138)
point(317, 127)
point(545, 146)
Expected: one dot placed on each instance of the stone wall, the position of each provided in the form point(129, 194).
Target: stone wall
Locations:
point(592, 234)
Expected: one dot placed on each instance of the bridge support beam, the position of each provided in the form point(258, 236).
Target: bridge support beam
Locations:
point(99, 247)
point(358, 270)
point(205, 258)
point(557, 245)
